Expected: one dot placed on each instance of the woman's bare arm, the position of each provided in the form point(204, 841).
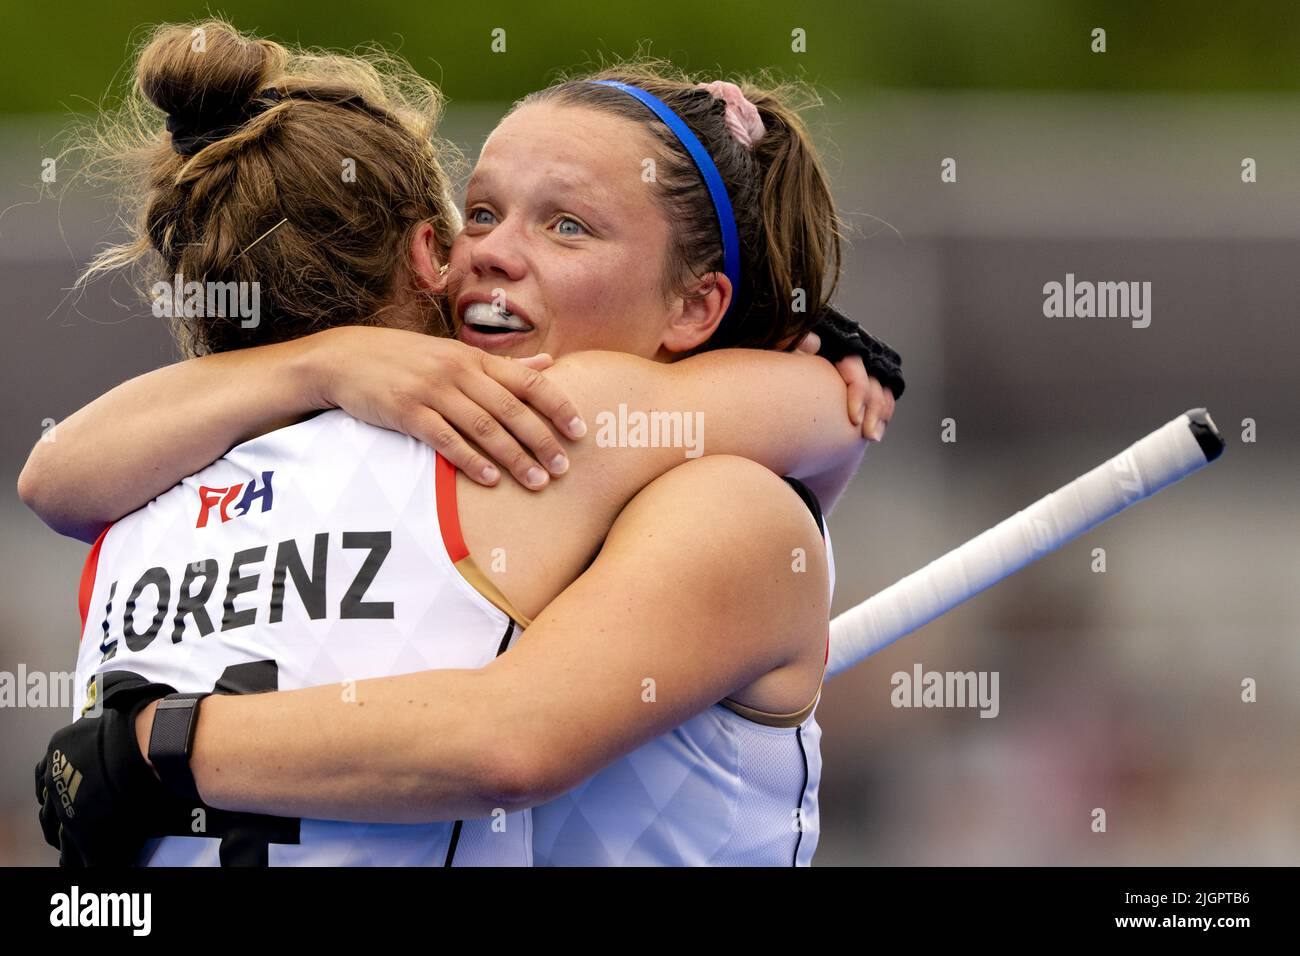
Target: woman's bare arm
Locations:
point(785, 411)
point(136, 441)
point(128, 446)
point(694, 590)
point(133, 443)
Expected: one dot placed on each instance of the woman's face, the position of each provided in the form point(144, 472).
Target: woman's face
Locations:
point(563, 233)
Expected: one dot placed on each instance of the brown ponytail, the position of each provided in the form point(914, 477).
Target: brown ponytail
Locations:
point(801, 227)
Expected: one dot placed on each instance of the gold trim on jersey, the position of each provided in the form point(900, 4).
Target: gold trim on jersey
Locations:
point(454, 541)
point(481, 583)
point(772, 720)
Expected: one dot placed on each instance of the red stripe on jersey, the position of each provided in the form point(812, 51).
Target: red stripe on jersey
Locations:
point(448, 516)
point(88, 579)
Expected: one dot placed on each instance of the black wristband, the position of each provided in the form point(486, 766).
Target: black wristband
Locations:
point(171, 741)
point(841, 336)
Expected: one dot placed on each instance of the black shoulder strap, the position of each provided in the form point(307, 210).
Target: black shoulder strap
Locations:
point(810, 499)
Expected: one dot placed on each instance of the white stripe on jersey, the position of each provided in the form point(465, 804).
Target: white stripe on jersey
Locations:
point(310, 555)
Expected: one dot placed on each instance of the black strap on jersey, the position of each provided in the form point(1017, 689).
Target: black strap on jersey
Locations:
point(810, 499)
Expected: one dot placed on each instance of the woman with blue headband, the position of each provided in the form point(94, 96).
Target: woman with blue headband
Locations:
point(686, 661)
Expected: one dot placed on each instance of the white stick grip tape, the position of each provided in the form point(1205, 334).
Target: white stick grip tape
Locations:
point(1161, 458)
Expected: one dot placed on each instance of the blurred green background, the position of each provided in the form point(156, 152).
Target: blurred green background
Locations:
point(68, 51)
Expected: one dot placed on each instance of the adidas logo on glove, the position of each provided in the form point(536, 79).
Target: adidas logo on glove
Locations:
point(66, 781)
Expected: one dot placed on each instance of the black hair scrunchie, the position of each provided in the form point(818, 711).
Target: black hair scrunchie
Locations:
point(191, 132)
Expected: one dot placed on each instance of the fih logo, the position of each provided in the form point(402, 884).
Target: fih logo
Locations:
point(221, 499)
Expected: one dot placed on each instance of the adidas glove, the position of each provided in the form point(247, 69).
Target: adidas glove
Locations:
point(100, 801)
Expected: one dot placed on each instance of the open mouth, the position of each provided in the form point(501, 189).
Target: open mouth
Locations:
point(491, 319)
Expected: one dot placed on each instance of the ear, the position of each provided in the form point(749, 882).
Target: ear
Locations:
point(427, 266)
point(696, 317)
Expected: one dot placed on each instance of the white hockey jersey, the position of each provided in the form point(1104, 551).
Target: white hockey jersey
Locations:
point(322, 553)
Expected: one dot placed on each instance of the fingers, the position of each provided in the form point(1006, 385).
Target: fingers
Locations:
point(487, 414)
point(873, 425)
point(426, 425)
point(70, 855)
point(855, 377)
point(811, 344)
point(514, 424)
point(529, 385)
point(451, 433)
point(50, 825)
point(541, 361)
point(871, 405)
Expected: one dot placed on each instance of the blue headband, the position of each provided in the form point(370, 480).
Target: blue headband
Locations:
point(708, 170)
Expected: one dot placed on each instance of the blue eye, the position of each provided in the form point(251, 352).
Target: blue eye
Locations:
point(576, 230)
point(482, 217)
